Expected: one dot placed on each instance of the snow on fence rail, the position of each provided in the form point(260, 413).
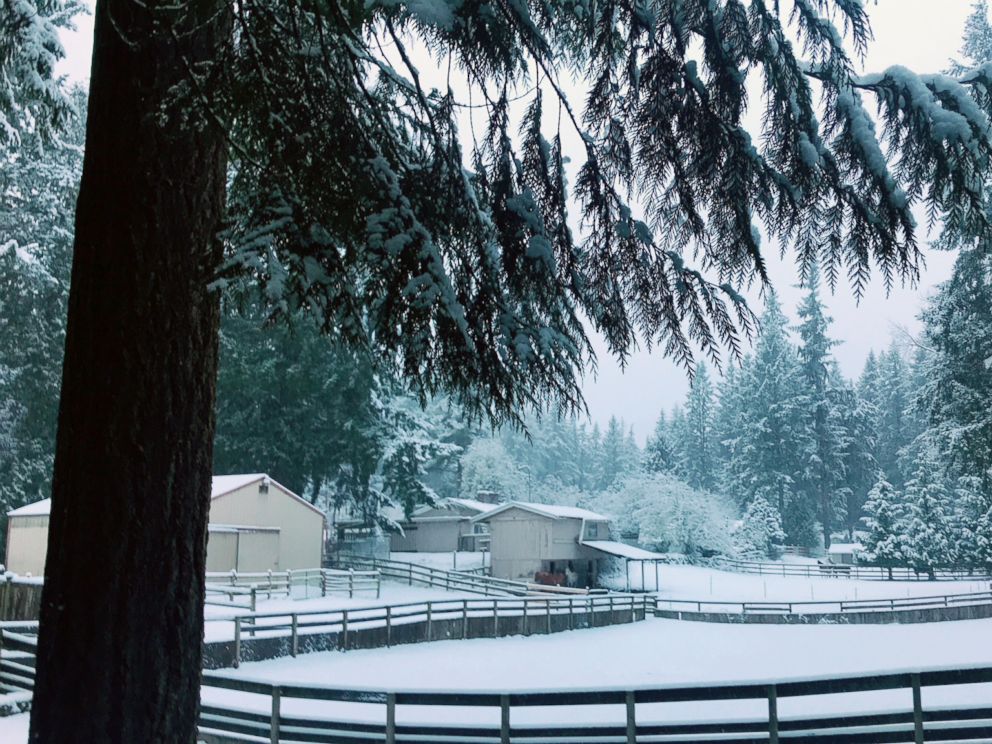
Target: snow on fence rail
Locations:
point(248, 587)
point(531, 615)
point(463, 581)
point(907, 721)
point(825, 606)
point(842, 571)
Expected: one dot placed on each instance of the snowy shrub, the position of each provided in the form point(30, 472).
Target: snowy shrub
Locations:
point(759, 535)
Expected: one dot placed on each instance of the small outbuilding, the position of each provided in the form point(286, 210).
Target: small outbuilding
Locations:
point(844, 554)
point(256, 524)
point(443, 528)
point(544, 542)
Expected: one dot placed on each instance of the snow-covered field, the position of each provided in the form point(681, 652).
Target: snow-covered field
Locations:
point(694, 582)
point(219, 625)
point(654, 652)
point(459, 561)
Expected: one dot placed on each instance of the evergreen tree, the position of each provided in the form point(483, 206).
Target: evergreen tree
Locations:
point(699, 453)
point(927, 524)
point(38, 187)
point(763, 415)
point(659, 456)
point(352, 197)
point(856, 419)
point(823, 467)
point(895, 429)
point(885, 544)
point(618, 454)
point(956, 394)
point(760, 534)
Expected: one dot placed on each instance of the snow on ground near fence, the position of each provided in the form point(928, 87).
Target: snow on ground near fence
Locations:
point(655, 652)
point(219, 626)
point(445, 561)
point(695, 582)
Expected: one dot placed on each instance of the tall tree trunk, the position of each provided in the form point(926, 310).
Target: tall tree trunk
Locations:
point(119, 649)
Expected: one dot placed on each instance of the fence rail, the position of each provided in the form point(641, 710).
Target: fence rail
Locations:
point(463, 581)
point(824, 607)
point(243, 589)
point(841, 571)
point(530, 614)
point(908, 722)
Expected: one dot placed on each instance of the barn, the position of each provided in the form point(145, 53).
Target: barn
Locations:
point(445, 527)
point(256, 524)
point(530, 539)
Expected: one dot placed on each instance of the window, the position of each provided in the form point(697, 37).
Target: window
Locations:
point(592, 530)
point(480, 529)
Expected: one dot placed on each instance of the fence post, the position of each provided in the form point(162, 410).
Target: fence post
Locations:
point(917, 708)
point(504, 719)
point(631, 718)
point(295, 635)
point(547, 610)
point(571, 613)
point(525, 617)
point(237, 642)
point(391, 718)
point(772, 715)
point(323, 583)
point(409, 569)
point(344, 628)
point(464, 618)
point(389, 626)
point(274, 721)
point(254, 598)
point(378, 584)
point(351, 583)
point(495, 619)
point(429, 608)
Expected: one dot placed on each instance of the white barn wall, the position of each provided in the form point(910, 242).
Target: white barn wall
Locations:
point(27, 543)
point(301, 525)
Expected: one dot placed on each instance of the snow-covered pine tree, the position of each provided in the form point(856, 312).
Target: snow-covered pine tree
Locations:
point(659, 456)
point(823, 470)
point(929, 539)
point(956, 396)
point(35, 102)
point(38, 186)
point(698, 443)
point(759, 534)
point(895, 428)
point(856, 419)
point(351, 197)
point(885, 543)
point(763, 413)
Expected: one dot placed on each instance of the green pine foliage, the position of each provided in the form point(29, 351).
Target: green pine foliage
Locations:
point(760, 535)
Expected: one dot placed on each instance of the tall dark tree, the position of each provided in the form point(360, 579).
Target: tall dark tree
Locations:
point(351, 198)
point(699, 445)
point(119, 648)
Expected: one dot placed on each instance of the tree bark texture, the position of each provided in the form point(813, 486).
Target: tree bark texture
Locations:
point(122, 609)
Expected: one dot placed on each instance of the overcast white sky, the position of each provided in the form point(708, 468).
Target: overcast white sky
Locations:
point(920, 34)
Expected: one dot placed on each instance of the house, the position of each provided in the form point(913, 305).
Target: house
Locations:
point(530, 539)
point(844, 554)
point(256, 524)
point(445, 527)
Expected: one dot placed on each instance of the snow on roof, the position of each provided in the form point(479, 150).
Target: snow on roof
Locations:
point(38, 509)
point(221, 484)
point(478, 506)
point(546, 510)
point(846, 548)
point(624, 550)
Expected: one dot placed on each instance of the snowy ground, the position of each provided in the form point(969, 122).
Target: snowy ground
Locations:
point(459, 561)
point(694, 582)
point(220, 627)
point(654, 652)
